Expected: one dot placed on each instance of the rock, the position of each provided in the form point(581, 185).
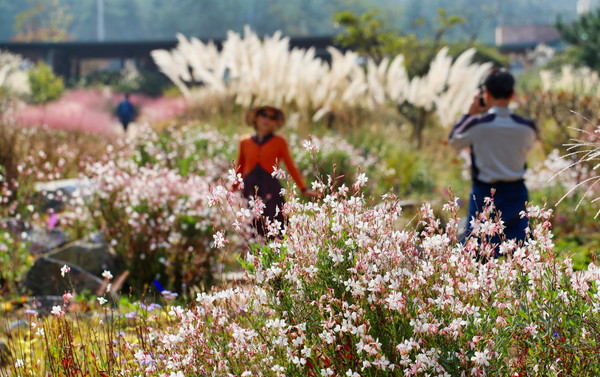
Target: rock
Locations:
point(44, 279)
point(43, 304)
point(69, 187)
point(95, 258)
point(18, 329)
point(15, 226)
point(42, 241)
point(96, 237)
point(54, 194)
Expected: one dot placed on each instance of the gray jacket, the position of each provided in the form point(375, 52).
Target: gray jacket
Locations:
point(499, 142)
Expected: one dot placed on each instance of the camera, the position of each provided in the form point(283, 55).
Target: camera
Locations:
point(481, 96)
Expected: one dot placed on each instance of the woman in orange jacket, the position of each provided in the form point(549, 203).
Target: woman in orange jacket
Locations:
point(259, 156)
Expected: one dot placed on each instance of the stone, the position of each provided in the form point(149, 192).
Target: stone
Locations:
point(94, 258)
point(43, 304)
point(14, 226)
point(96, 237)
point(42, 241)
point(18, 329)
point(69, 187)
point(45, 279)
point(53, 195)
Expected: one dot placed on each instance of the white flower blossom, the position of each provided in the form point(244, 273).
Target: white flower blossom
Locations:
point(107, 275)
point(481, 358)
point(65, 270)
point(57, 311)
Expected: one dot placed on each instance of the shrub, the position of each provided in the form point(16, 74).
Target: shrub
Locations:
point(333, 157)
point(45, 85)
point(153, 198)
point(13, 253)
point(152, 201)
point(354, 293)
point(344, 292)
point(30, 155)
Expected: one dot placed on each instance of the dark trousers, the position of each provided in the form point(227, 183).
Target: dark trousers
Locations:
point(260, 183)
point(125, 122)
point(509, 200)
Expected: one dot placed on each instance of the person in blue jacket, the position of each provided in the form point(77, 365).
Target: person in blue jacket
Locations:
point(499, 142)
point(125, 111)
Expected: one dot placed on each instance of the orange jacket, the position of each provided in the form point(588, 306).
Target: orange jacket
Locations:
point(267, 155)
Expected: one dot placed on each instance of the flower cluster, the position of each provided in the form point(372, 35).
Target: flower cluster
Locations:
point(154, 199)
point(342, 291)
point(358, 294)
point(336, 157)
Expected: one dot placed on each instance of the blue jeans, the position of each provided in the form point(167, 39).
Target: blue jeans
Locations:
point(509, 199)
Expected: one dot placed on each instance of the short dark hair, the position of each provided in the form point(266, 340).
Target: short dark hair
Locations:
point(500, 83)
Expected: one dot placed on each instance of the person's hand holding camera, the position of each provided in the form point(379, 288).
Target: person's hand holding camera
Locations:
point(479, 104)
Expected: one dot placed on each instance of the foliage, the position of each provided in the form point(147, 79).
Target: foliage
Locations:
point(555, 110)
point(583, 34)
point(46, 20)
point(152, 198)
point(332, 157)
point(366, 34)
point(567, 180)
point(409, 172)
point(13, 253)
point(152, 20)
point(345, 292)
point(45, 85)
point(567, 58)
point(29, 155)
point(129, 80)
point(152, 201)
point(360, 295)
point(347, 289)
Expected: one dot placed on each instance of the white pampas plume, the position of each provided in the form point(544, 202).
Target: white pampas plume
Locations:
point(462, 82)
point(581, 80)
point(251, 71)
point(171, 68)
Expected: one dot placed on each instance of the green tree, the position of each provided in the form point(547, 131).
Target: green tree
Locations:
point(45, 20)
point(8, 12)
point(584, 35)
point(368, 35)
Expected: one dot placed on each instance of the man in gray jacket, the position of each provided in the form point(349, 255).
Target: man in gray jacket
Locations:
point(499, 142)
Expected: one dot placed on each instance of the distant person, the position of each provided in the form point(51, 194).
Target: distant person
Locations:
point(499, 142)
point(125, 111)
point(259, 155)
